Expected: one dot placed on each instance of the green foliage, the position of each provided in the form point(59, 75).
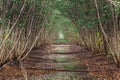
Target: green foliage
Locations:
point(1, 21)
point(35, 9)
point(83, 12)
point(8, 42)
point(99, 40)
point(61, 40)
point(16, 1)
point(60, 22)
point(6, 32)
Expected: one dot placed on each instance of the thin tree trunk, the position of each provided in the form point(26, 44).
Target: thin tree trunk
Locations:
point(101, 27)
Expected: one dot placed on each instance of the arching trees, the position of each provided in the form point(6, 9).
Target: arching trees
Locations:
point(21, 25)
point(97, 22)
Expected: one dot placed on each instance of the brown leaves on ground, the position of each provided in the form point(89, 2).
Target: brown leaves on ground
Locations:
point(99, 66)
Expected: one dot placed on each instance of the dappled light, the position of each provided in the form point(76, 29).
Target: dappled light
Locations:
point(59, 40)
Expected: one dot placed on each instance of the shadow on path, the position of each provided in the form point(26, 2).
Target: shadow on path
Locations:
point(63, 62)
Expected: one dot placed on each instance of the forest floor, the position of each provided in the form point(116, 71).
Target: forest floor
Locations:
point(62, 62)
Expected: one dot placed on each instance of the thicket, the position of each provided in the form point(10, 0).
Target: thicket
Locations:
point(25, 24)
point(22, 27)
point(97, 22)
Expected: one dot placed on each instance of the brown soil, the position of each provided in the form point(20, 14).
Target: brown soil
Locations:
point(40, 62)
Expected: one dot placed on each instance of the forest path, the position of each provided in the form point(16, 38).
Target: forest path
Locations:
point(66, 62)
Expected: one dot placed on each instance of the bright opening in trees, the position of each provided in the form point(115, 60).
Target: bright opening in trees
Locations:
point(70, 39)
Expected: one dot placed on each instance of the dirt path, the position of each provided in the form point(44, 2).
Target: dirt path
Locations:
point(63, 62)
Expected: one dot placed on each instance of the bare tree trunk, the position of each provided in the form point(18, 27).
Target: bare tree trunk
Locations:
point(101, 27)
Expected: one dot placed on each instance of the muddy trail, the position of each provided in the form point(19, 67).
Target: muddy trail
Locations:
point(62, 62)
